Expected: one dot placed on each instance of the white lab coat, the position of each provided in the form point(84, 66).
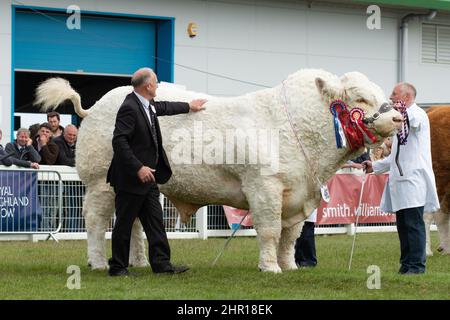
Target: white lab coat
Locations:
point(417, 186)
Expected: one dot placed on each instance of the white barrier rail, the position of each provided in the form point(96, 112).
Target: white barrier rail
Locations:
point(64, 199)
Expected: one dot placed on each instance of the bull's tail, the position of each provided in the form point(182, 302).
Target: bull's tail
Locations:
point(54, 91)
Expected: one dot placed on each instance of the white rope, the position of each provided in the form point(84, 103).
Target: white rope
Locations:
point(358, 213)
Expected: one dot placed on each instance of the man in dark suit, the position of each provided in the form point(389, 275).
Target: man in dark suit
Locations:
point(138, 164)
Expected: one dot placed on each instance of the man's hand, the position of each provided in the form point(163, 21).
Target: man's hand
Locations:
point(197, 104)
point(34, 165)
point(145, 174)
point(29, 142)
point(367, 166)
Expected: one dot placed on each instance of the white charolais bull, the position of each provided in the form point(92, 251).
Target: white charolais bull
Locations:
point(280, 188)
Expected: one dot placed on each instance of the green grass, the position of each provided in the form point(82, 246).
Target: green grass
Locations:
point(38, 271)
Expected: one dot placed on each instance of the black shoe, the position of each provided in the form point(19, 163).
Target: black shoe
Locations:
point(413, 273)
point(121, 273)
point(172, 270)
point(402, 270)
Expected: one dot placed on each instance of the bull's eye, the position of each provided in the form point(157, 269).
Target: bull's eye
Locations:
point(361, 100)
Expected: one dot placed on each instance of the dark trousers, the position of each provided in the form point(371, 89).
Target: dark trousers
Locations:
point(411, 232)
point(148, 209)
point(305, 246)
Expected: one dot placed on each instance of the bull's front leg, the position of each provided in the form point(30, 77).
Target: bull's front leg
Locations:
point(265, 202)
point(286, 247)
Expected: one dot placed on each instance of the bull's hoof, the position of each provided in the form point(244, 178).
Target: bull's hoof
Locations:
point(274, 269)
point(429, 253)
point(443, 250)
point(98, 265)
point(139, 263)
point(288, 266)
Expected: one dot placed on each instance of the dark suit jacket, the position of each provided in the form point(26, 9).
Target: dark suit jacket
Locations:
point(135, 147)
point(66, 154)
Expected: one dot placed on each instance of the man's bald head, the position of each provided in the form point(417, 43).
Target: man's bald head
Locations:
point(404, 91)
point(141, 76)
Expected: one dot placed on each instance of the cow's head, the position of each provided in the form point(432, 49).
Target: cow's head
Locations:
point(356, 90)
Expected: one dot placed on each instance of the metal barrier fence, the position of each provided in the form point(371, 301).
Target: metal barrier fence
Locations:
point(30, 201)
point(60, 197)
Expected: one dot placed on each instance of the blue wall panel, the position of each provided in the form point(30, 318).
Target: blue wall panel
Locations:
point(102, 45)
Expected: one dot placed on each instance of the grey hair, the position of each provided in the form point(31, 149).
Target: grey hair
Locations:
point(141, 76)
point(25, 130)
point(408, 87)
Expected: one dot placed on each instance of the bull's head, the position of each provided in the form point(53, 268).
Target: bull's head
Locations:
point(357, 91)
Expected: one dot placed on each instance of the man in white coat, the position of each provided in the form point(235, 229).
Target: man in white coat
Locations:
point(411, 187)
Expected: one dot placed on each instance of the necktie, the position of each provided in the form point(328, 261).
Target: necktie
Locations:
point(153, 130)
point(402, 135)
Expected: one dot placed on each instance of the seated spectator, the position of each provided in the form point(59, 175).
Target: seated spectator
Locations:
point(43, 143)
point(23, 152)
point(4, 159)
point(66, 144)
point(53, 120)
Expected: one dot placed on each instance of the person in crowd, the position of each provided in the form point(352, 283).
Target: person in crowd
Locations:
point(305, 245)
point(44, 144)
point(356, 163)
point(4, 158)
point(139, 163)
point(66, 145)
point(23, 152)
point(387, 146)
point(66, 156)
point(34, 130)
point(411, 186)
point(54, 119)
point(377, 153)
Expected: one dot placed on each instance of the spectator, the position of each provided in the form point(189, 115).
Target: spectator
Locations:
point(356, 163)
point(34, 130)
point(4, 159)
point(66, 156)
point(305, 245)
point(66, 145)
point(45, 145)
point(411, 187)
point(377, 153)
point(53, 118)
point(387, 146)
point(23, 152)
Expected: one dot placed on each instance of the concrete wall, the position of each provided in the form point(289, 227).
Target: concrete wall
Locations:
point(262, 42)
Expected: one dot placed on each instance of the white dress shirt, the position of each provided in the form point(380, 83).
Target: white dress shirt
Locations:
point(417, 186)
point(146, 105)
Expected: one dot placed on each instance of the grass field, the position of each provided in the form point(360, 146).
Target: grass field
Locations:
point(38, 271)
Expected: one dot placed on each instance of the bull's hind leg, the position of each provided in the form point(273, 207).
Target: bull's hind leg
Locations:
point(443, 223)
point(286, 259)
point(137, 246)
point(265, 201)
point(98, 209)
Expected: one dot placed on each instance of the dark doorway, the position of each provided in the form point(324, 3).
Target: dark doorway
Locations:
point(90, 87)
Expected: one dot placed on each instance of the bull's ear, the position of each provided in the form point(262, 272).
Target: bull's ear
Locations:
point(320, 84)
point(327, 89)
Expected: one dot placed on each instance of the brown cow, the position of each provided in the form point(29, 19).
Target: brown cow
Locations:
point(440, 151)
